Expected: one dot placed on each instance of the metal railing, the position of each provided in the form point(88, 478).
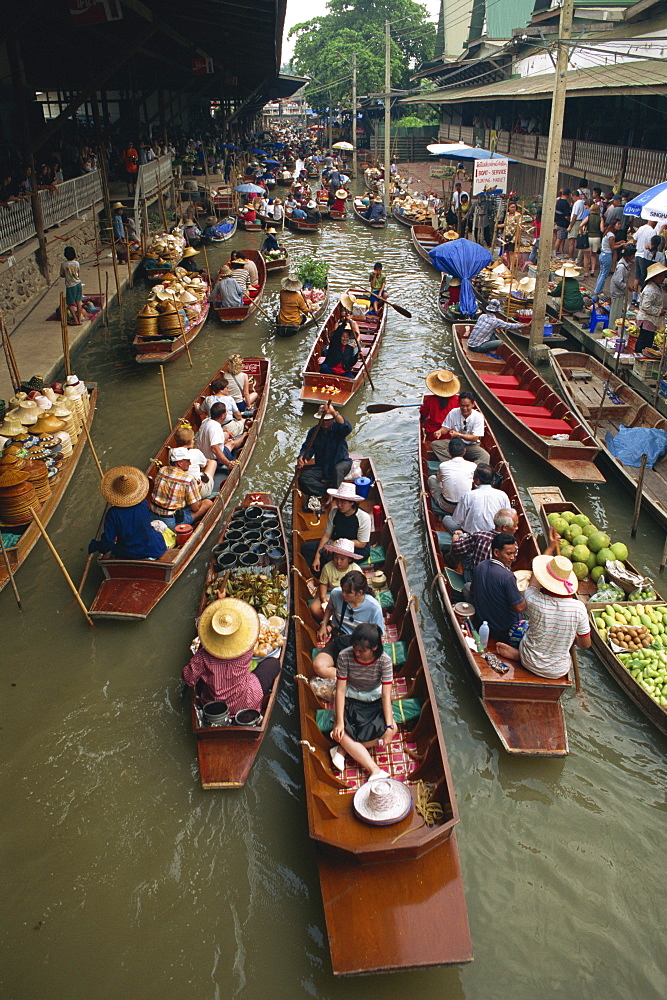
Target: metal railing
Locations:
point(65, 201)
point(152, 178)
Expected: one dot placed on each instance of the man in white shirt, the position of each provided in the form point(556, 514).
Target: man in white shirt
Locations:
point(576, 216)
point(476, 510)
point(220, 394)
point(454, 477)
point(465, 422)
point(643, 257)
point(214, 441)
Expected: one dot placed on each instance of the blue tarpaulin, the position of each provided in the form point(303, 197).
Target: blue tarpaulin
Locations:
point(631, 443)
point(464, 259)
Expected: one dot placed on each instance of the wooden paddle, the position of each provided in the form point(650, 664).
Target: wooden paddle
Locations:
point(363, 362)
point(399, 309)
point(385, 407)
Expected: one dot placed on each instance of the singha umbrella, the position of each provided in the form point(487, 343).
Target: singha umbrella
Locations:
point(651, 205)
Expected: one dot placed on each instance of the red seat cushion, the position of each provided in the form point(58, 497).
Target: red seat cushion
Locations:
point(500, 381)
point(520, 410)
point(513, 396)
point(547, 427)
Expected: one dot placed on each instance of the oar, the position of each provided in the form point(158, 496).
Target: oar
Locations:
point(399, 309)
point(9, 572)
point(385, 407)
point(297, 470)
point(363, 363)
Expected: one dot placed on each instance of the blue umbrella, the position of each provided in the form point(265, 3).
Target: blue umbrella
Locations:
point(249, 189)
point(464, 259)
point(651, 205)
point(271, 163)
point(262, 151)
point(229, 145)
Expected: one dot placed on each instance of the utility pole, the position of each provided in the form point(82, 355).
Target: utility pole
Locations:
point(536, 347)
point(354, 113)
point(387, 107)
point(330, 119)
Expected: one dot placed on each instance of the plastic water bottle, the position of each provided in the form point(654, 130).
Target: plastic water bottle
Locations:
point(484, 635)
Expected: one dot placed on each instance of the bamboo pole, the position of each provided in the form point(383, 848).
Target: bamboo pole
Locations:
point(10, 357)
point(185, 340)
point(106, 299)
point(107, 206)
point(130, 282)
point(68, 578)
point(638, 497)
point(161, 204)
point(663, 561)
point(9, 572)
point(65, 334)
point(97, 254)
point(89, 439)
point(164, 396)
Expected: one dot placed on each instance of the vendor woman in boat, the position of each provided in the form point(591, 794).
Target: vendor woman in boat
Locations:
point(294, 310)
point(343, 349)
point(270, 243)
point(187, 262)
point(220, 669)
point(444, 388)
point(568, 289)
point(350, 605)
point(128, 532)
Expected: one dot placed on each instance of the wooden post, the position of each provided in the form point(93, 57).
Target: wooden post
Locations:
point(97, 255)
point(9, 572)
point(10, 357)
point(164, 396)
point(65, 333)
point(102, 166)
point(68, 578)
point(638, 497)
point(622, 327)
point(663, 561)
point(185, 340)
point(661, 369)
point(106, 299)
point(161, 204)
point(127, 258)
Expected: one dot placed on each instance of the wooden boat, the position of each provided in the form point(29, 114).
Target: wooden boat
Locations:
point(227, 753)
point(223, 199)
point(317, 388)
point(524, 709)
point(360, 208)
point(236, 314)
point(132, 587)
point(285, 178)
point(404, 218)
point(425, 238)
point(301, 225)
point(389, 903)
point(513, 304)
point(581, 380)
point(313, 319)
point(158, 350)
point(517, 396)
point(227, 233)
point(251, 227)
point(30, 535)
point(275, 264)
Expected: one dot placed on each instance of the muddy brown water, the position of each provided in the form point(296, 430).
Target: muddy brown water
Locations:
point(123, 879)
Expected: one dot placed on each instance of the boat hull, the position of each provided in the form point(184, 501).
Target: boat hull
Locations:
point(237, 314)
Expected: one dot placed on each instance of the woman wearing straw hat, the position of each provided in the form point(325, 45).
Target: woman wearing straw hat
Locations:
point(324, 458)
point(651, 306)
point(270, 244)
point(556, 619)
point(128, 532)
point(187, 262)
point(444, 388)
point(220, 670)
point(340, 197)
point(568, 288)
point(294, 310)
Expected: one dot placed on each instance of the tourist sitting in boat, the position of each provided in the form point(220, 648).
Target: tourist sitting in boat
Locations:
point(290, 203)
point(333, 571)
point(239, 384)
point(453, 479)
point(465, 422)
point(220, 669)
point(340, 197)
point(249, 265)
point(215, 439)
point(342, 352)
point(227, 292)
point(241, 276)
point(270, 244)
point(278, 210)
point(201, 468)
point(378, 283)
point(556, 619)
point(128, 532)
point(176, 497)
point(312, 211)
point(444, 388)
point(298, 213)
point(481, 337)
point(363, 714)
point(345, 520)
point(294, 310)
point(476, 510)
point(375, 211)
point(497, 599)
point(248, 213)
point(568, 289)
point(350, 605)
point(470, 549)
point(220, 394)
point(324, 460)
point(187, 262)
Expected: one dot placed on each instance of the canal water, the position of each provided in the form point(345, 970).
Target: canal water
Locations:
point(123, 879)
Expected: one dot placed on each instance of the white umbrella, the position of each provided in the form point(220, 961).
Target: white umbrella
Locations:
point(342, 145)
point(651, 205)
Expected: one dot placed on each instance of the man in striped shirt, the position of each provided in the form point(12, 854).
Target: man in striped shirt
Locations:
point(481, 338)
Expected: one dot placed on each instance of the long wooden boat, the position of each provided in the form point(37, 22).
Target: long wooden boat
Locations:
point(393, 895)
point(250, 227)
point(404, 218)
point(227, 234)
point(30, 535)
point(582, 380)
point(512, 304)
point(517, 396)
point(237, 314)
point(301, 225)
point(425, 238)
point(313, 319)
point(227, 753)
point(524, 709)
point(360, 208)
point(132, 587)
point(317, 388)
point(159, 350)
point(275, 264)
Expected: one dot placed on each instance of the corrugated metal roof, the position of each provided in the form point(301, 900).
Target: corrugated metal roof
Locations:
point(639, 76)
point(502, 18)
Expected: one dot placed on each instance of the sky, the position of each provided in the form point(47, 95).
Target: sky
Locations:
point(305, 10)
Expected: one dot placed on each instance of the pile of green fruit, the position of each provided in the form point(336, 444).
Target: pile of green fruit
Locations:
point(588, 548)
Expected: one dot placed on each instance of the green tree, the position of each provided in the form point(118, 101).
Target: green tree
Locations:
point(324, 47)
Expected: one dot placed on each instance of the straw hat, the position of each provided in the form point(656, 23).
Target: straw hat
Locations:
point(569, 271)
point(345, 491)
point(148, 310)
point(224, 271)
point(291, 284)
point(118, 204)
point(228, 628)
point(493, 306)
point(382, 801)
point(454, 282)
point(212, 219)
point(190, 252)
point(124, 486)
point(11, 426)
point(654, 270)
point(443, 383)
point(11, 476)
point(347, 301)
point(271, 229)
point(527, 285)
point(187, 298)
point(312, 203)
point(555, 574)
point(342, 547)
point(341, 193)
